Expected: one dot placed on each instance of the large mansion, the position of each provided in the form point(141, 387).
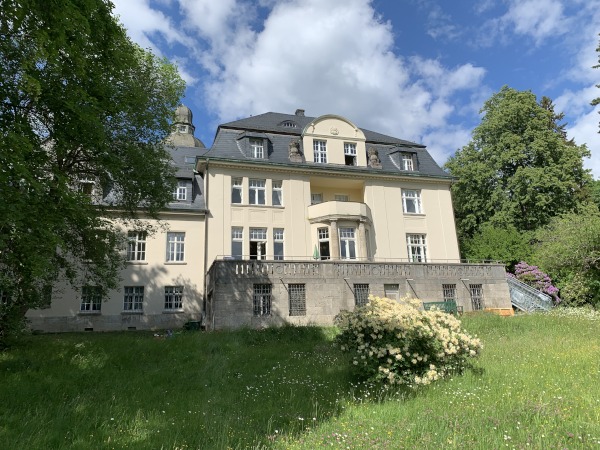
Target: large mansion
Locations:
point(287, 218)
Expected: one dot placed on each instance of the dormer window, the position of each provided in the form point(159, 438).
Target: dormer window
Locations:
point(288, 124)
point(257, 149)
point(180, 192)
point(350, 153)
point(408, 161)
point(320, 151)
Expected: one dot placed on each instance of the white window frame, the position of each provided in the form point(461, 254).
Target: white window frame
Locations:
point(277, 193)
point(173, 298)
point(320, 151)
point(341, 197)
point(348, 243)
point(136, 245)
point(257, 191)
point(91, 299)
point(175, 246)
point(278, 241)
point(416, 246)
point(180, 192)
point(237, 236)
point(316, 198)
point(407, 161)
point(411, 199)
point(133, 298)
point(257, 148)
point(237, 188)
point(350, 150)
point(258, 235)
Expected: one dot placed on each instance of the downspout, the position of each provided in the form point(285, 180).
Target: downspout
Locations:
point(206, 216)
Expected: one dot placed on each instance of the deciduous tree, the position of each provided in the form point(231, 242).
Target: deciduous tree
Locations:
point(78, 102)
point(519, 170)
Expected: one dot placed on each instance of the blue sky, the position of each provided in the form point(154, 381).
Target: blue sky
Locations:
point(415, 69)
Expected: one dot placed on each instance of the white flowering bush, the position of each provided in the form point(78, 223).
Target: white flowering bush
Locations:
point(396, 343)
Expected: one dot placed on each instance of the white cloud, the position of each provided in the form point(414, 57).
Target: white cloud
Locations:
point(585, 131)
point(312, 55)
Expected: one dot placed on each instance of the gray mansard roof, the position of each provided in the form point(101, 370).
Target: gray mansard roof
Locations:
point(280, 129)
point(184, 160)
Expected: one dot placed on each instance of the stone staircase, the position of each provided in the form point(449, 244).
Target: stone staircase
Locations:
point(526, 298)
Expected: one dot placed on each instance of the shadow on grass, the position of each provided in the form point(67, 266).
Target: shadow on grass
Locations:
point(229, 389)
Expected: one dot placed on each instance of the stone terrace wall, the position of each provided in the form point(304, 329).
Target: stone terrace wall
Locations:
point(330, 287)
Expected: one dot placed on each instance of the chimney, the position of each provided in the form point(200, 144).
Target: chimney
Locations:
point(300, 112)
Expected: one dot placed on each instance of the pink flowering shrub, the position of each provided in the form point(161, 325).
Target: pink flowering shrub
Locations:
point(534, 277)
point(396, 343)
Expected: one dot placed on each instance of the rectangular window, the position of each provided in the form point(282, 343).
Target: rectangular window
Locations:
point(320, 151)
point(407, 162)
point(175, 247)
point(133, 298)
point(411, 201)
point(180, 192)
point(257, 148)
point(341, 198)
point(257, 192)
point(136, 246)
point(449, 292)
point(347, 243)
point(324, 243)
point(277, 199)
point(297, 297)
point(258, 243)
point(91, 298)
point(391, 291)
point(236, 190)
point(237, 242)
point(278, 244)
point(476, 291)
point(173, 298)
point(417, 247)
point(261, 300)
point(316, 198)
point(350, 153)
point(361, 294)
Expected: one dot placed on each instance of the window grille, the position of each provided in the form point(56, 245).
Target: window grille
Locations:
point(449, 292)
point(262, 300)
point(323, 233)
point(476, 291)
point(361, 294)
point(133, 298)
point(297, 296)
point(173, 298)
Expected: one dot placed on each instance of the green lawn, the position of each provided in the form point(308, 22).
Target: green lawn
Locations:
point(537, 385)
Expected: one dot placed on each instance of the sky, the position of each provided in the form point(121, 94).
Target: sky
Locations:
point(418, 70)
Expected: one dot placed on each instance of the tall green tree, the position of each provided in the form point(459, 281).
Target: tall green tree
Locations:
point(519, 170)
point(79, 102)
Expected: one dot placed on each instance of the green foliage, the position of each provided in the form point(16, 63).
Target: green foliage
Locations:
point(569, 249)
point(519, 170)
point(502, 244)
point(79, 101)
point(596, 101)
point(395, 343)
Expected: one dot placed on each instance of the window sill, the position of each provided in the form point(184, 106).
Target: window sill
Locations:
point(89, 313)
point(243, 205)
point(414, 214)
point(137, 263)
point(173, 311)
point(175, 263)
point(132, 313)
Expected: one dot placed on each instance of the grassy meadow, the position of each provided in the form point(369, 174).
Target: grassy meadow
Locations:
point(536, 385)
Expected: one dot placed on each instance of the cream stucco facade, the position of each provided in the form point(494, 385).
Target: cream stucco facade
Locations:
point(291, 219)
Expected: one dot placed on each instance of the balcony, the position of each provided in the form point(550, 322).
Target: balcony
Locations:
point(334, 210)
